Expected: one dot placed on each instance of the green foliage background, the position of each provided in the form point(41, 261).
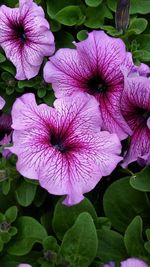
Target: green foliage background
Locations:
point(113, 221)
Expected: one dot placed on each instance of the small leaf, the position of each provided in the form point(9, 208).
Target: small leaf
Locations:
point(6, 186)
point(64, 217)
point(95, 16)
point(80, 242)
point(141, 180)
point(50, 243)
point(26, 83)
point(53, 6)
point(2, 58)
point(82, 35)
point(64, 39)
point(10, 90)
point(133, 238)
point(118, 198)
point(142, 55)
point(5, 237)
point(30, 231)
point(93, 3)
point(11, 214)
point(41, 92)
point(8, 66)
point(70, 15)
point(110, 246)
point(137, 25)
point(25, 193)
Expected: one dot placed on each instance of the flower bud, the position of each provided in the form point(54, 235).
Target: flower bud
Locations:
point(122, 15)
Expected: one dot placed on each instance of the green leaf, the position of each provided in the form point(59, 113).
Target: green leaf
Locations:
point(30, 83)
point(103, 223)
point(93, 3)
point(30, 231)
point(5, 237)
point(82, 35)
point(70, 15)
point(10, 90)
point(11, 3)
point(53, 6)
point(110, 246)
point(110, 30)
point(64, 39)
point(41, 92)
point(141, 180)
point(137, 6)
point(8, 66)
point(95, 16)
point(118, 198)
point(50, 243)
point(141, 55)
point(6, 186)
point(11, 214)
point(49, 98)
point(147, 246)
point(2, 58)
point(79, 245)
point(133, 239)
point(137, 25)
point(64, 217)
point(13, 231)
point(143, 41)
point(25, 193)
point(55, 25)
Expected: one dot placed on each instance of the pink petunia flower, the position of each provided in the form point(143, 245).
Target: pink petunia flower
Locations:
point(2, 102)
point(63, 147)
point(25, 37)
point(24, 265)
point(93, 67)
point(133, 262)
point(135, 105)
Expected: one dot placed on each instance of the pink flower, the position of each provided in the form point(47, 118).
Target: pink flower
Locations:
point(133, 262)
point(24, 265)
point(63, 147)
point(93, 67)
point(2, 102)
point(135, 105)
point(25, 37)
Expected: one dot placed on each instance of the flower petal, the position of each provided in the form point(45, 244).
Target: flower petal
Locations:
point(2, 102)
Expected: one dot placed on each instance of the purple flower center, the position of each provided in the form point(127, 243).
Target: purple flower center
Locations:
point(144, 114)
point(96, 85)
point(58, 143)
point(19, 32)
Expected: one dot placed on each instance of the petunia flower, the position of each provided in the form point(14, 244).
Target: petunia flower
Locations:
point(93, 67)
point(63, 147)
point(25, 37)
point(135, 105)
point(133, 262)
point(24, 265)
